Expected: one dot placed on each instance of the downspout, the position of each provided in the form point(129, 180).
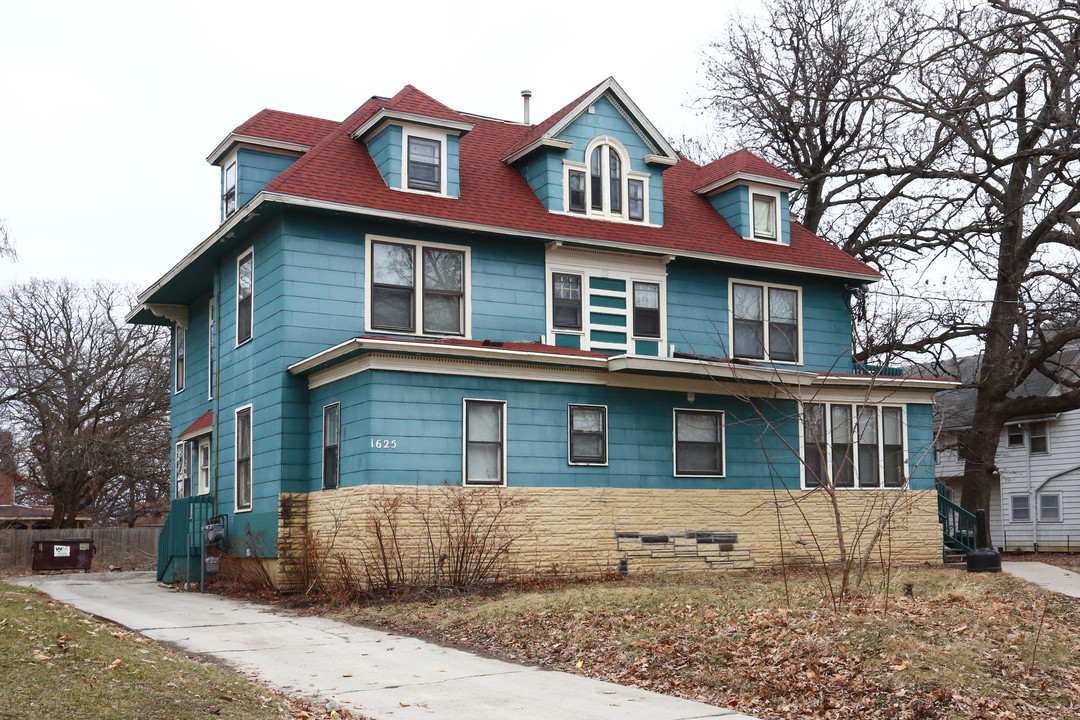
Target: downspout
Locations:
point(217, 378)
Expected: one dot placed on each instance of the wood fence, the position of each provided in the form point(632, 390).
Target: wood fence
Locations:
point(120, 547)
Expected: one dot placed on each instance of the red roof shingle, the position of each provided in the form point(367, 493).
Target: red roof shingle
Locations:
point(287, 127)
point(740, 161)
point(340, 170)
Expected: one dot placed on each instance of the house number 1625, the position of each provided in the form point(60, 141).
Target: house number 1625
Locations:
point(383, 443)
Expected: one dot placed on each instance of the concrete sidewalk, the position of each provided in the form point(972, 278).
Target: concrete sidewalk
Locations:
point(370, 672)
point(1051, 577)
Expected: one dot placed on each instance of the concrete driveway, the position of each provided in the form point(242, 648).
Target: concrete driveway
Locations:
point(370, 672)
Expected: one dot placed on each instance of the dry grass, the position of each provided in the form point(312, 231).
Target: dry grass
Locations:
point(964, 646)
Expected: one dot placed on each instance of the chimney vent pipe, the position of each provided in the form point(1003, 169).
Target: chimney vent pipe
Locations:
point(526, 94)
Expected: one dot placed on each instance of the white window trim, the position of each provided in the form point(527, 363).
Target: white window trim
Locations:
point(569, 435)
point(854, 443)
point(465, 443)
point(627, 175)
point(211, 348)
point(675, 443)
point(1060, 509)
point(1012, 508)
point(775, 195)
point(322, 459)
point(610, 267)
point(204, 488)
point(765, 312)
point(236, 458)
point(418, 286)
point(408, 131)
point(179, 374)
point(250, 252)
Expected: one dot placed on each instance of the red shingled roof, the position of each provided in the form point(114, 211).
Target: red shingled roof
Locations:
point(537, 131)
point(287, 127)
point(340, 170)
point(740, 161)
point(409, 99)
point(204, 421)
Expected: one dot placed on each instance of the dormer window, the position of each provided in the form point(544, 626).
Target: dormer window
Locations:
point(425, 162)
point(765, 221)
point(604, 186)
point(228, 195)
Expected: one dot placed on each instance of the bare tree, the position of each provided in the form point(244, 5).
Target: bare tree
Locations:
point(952, 138)
point(83, 393)
point(7, 244)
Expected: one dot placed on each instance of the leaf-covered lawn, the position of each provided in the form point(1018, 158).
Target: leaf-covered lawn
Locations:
point(964, 646)
point(56, 662)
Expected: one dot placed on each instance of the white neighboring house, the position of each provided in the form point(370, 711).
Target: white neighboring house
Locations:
point(1035, 505)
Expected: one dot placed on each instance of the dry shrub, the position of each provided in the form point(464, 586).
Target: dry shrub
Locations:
point(451, 538)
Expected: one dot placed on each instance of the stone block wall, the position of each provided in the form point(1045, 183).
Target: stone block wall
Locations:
point(572, 530)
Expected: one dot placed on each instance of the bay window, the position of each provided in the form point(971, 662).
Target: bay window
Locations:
point(847, 446)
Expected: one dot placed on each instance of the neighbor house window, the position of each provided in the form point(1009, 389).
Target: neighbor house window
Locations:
point(425, 164)
point(845, 442)
point(243, 459)
point(1021, 508)
point(764, 217)
point(646, 309)
point(331, 443)
point(245, 291)
point(183, 470)
point(1016, 435)
point(1049, 507)
point(566, 301)
point(699, 443)
point(485, 446)
point(204, 466)
point(588, 434)
point(765, 322)
point(228, 196)
point(1037, 441)
point(394, 273)
point(180, 345)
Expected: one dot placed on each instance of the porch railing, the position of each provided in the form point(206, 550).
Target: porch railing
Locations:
point(179, 545)
point(957, 524)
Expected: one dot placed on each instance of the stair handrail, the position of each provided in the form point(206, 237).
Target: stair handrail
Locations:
point(957, 524)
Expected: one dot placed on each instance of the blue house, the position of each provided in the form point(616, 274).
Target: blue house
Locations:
point(572, 312)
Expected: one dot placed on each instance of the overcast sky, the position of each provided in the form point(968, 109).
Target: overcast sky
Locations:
point(109, 109)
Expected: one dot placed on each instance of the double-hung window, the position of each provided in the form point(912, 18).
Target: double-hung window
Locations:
point(394, 304)
point(425, 164)
point(180, 347)
point(765, 217)
point(765, 322)
point(228, 192)
point(1016, 435)
point(1020, 506)
point(588, 434)
point(331, 456)
point(699, 443)
point(646, 309)
point(1037, 438)
point(243, 459)
point(245, 294)
point(204, 466)
point(566, 301)
point(1050, 507)
point(853, 445)
point(576, 181)
point(485, 442)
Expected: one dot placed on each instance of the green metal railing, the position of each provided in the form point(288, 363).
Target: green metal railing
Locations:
point(957, 524)
point(179, 546)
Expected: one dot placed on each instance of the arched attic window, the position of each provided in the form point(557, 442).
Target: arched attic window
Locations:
point(612, 190)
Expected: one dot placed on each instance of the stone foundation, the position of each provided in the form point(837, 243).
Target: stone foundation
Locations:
point(568, 531)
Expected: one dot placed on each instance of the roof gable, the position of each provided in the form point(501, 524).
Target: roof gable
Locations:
point(741, 165)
